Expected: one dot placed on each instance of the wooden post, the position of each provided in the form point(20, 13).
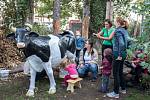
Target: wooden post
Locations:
point(56, 26)
point(85, 27)
point(136, 27)
point(109, 10)
point(85, 21)
point(56, 16)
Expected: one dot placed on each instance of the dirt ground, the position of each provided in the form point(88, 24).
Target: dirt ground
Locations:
point(16, 87)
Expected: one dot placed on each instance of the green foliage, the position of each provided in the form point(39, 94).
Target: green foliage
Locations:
point(98, 12)
point(145, 65)
point(68, 7)
point(9, 15)
point(41, 29)
point(140, 7)
point(46, 7)
point(130, 54)
point(21, 11)
point(132, 26)
point(140, 44)
point(63, 23)
point(134, 94)
point(121, 8)
point(71, 7)
point(144, 44)
point(15, 11)
point(145, 81)
point(143, 8)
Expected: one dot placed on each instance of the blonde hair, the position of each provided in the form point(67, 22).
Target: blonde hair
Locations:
point(63, 64)
point(120, 20)
point(66, 62)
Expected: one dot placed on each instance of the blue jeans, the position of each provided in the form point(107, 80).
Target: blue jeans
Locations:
point(83, 71)
point(104, 84)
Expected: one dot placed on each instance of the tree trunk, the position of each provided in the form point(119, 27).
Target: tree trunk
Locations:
point(85, 27)
point(31, 11)
point(109, 9)
point(85, 22)
point(56, 17)
point(136, 27)
point(141, 25)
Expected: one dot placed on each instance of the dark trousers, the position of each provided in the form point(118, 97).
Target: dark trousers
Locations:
point(105, 47)
point(118, 75)
point(77, 56)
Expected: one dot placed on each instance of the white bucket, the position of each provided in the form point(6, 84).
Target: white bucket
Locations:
point(4, 74)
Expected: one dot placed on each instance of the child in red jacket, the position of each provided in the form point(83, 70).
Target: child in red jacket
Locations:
point(106, 70)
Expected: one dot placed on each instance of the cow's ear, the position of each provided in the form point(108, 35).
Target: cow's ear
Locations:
point(33, 34)
point(11, 36)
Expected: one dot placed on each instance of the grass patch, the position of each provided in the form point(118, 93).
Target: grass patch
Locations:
point(134, 94)
point(16, 90)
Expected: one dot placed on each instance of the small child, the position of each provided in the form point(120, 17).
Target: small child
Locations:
point(106, 70)
point(72, 72)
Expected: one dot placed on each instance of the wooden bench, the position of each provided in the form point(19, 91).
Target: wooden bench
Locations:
point(72, 83)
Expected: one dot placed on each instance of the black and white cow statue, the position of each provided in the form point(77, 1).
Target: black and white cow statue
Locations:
point(43, 52)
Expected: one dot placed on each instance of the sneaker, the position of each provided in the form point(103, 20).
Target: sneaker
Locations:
point(123, 91)
point(112, 95)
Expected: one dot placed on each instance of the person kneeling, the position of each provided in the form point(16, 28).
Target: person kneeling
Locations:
point(88, 61)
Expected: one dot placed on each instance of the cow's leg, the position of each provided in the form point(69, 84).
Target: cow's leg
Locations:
point(32, 83)
point(49, 72)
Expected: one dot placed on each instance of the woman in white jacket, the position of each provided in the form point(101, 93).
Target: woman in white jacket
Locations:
point(88, 61)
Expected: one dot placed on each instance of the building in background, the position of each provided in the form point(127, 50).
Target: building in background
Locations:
point(75, 25)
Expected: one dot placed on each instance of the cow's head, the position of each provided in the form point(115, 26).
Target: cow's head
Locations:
point(21, 35)
point(68, 40)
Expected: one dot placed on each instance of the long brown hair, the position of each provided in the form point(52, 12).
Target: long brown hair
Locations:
point(91, 44)
point(108, 21)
